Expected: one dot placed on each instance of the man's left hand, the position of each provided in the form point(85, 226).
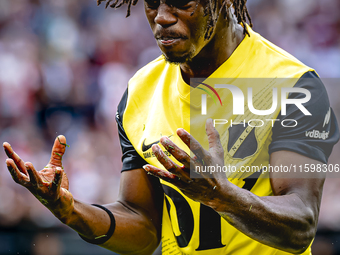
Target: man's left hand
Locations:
point(198, 184)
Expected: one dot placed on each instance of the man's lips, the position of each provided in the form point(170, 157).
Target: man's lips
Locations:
point(169, 40)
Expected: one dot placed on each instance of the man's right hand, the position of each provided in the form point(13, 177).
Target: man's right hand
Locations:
point(49, 185)
point(138, 211)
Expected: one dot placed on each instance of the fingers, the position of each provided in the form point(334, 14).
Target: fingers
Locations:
point(162, 174)
point(12, 155)
point(58, 151)
point(193, 144)
point(17, 176)
point(164, 159)
point(177, 152)
point(170, 165)
point(35, 179)
point(56, 183)
point(215, 145)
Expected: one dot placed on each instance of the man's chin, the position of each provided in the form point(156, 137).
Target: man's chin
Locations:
point(169, 58)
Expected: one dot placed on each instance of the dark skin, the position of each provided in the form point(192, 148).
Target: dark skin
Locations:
point(137, 210)
point(288, 219)
point(180, 36)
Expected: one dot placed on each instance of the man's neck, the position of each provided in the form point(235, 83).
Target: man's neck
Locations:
point(223, 43)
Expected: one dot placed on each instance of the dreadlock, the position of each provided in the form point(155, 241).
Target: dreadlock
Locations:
point(241, 12)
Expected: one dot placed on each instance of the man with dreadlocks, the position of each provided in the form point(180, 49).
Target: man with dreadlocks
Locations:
point(203, 212)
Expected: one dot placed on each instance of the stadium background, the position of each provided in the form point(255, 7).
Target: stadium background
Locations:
point(64, 65)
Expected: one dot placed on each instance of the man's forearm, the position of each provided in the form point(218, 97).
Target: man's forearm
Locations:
point(93, 222)
point(283, 222)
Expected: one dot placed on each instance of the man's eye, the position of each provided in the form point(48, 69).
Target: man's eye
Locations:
point(181, 3)
point(152, 3)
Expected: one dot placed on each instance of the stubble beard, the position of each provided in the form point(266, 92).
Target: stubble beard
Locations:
point(177, 60)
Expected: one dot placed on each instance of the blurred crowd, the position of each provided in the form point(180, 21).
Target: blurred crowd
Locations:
point(64, 64)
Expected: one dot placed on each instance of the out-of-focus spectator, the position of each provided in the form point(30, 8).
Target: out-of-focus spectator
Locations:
point(47, 243)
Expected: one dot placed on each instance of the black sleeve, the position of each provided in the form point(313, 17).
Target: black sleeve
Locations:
point(314, 135)
point(131, 159)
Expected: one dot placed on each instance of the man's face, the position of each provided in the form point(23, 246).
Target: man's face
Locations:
point(179, 29)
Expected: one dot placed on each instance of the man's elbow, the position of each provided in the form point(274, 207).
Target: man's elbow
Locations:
point(301, 238)
point(301, 243)
point(148, 239)
point(151, 245)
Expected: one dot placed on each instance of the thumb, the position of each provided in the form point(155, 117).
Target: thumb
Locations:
point(215, 145)
point(58, 151)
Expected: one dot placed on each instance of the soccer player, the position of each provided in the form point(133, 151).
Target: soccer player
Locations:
point(204, 212)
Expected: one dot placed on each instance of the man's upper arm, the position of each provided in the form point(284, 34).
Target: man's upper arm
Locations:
point(137, 189)
point(138, 210)
point(142, 194)
point(131, 159)
point(314, 135)
point(308, 144)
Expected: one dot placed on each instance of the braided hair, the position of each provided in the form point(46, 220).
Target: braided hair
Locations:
point(241, 12)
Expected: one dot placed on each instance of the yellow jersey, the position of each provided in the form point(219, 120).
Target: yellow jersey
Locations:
point(158, 102)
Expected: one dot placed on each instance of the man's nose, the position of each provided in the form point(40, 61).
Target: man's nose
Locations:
point(165, 15)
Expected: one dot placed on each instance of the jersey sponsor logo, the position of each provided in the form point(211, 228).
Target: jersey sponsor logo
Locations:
point(327, 118)
point(317, 134)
